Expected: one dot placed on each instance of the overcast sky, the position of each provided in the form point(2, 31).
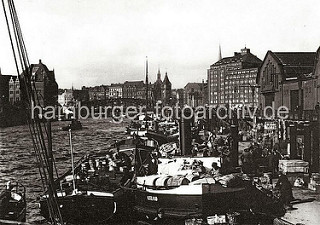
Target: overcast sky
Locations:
point(97, 42)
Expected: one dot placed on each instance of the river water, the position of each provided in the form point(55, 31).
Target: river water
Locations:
point(17, 161)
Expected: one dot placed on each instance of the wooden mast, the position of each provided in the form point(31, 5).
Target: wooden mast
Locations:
point(147, 92)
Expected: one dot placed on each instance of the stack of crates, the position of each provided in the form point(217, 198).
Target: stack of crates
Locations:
point(295, 169)
point(314, 182)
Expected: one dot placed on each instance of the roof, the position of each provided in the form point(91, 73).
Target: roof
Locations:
point(6, 78)
point(295, 63)
point(166, 79)
point(296, 58)
point(245, 56)
point(195, 86)
point(133, 83)
point(116, 85)
point(158, 81)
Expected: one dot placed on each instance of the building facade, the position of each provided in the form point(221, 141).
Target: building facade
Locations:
point(316, 73)
point(232, 80)
point(9, 89)
point(133, 89)
point(178, 97)
point(97, 93)
point(194, 94)
point(288, 79)
point(115, 90)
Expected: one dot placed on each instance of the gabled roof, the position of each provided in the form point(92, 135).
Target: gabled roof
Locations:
point(295, 64)
point(166, 79)
point(296, 58)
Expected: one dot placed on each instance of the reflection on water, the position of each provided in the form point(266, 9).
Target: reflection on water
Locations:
point(17, 161)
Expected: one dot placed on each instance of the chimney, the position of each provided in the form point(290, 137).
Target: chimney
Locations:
point(40, 61)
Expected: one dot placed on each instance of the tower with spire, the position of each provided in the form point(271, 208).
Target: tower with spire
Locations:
point(166, 89)
point(157, 87)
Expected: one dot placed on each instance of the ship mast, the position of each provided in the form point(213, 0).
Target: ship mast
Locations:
point(147, 92)
point(39, 130)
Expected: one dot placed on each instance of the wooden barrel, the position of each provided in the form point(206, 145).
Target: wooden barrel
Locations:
point(192, 177)
point(150, 180)
point(177, 181)
point(162, 181)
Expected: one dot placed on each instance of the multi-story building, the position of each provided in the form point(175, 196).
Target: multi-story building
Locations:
point(287, 79)
point(14, 90)
point(115, 91)
point(97, 93)
point(133, 89)
point(231, 79)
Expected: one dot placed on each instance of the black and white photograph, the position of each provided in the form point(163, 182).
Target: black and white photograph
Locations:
point(159, 112)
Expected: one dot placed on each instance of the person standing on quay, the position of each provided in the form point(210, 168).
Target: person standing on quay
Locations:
point(285, 189)
point(246, 159)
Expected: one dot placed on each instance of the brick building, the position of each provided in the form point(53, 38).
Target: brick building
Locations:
point(45, 84)
point(230, 78)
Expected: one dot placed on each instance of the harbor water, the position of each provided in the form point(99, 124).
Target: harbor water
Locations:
point(17, 160)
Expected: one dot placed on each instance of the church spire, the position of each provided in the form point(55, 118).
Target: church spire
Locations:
point(166, 79)
point(159, 75)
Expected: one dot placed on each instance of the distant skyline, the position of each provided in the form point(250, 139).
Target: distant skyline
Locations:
point(96, 42)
